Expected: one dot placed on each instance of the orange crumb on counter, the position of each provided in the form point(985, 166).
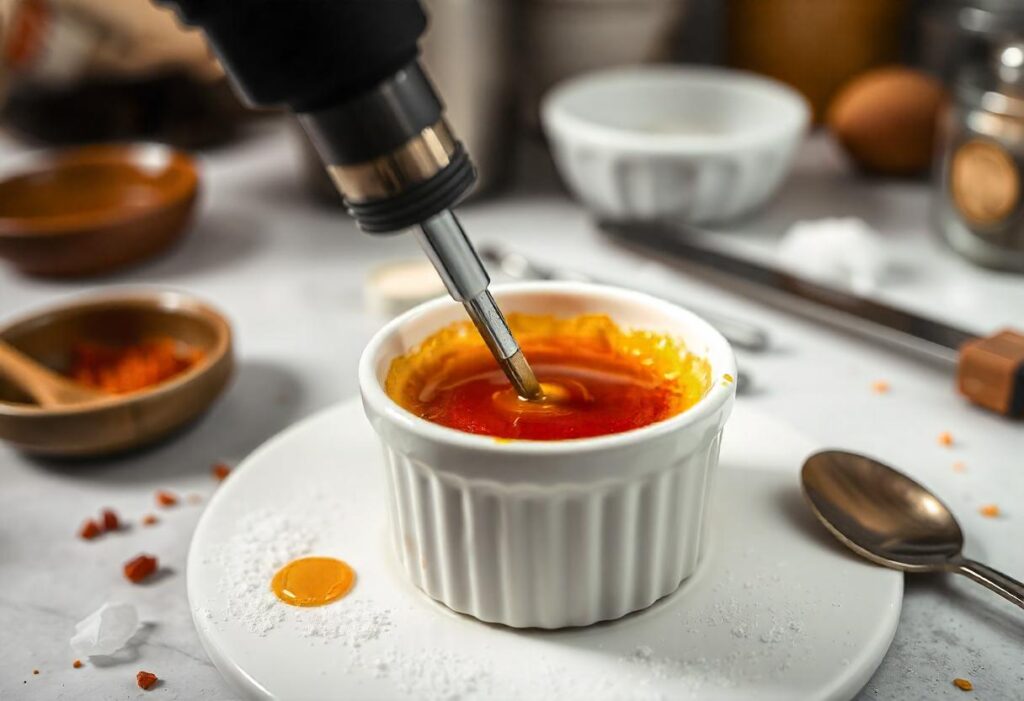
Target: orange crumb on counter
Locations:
point(76, 664)
point(880, 387)
point(89, 530)
point(221, 471)
point(165, 498)
point(110, 520)
point(962, 684)
point(120, 369)
point(141, 567)
point(145, 680)
point(959, 466)
point(946, 438)
point(989, 511)
point(149, 520)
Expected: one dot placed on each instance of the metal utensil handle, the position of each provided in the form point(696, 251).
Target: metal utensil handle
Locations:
point(741, 334)
point(689, 248)
point(1004, 585)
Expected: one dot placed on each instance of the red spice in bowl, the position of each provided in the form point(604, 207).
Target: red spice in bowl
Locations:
point(121, 369)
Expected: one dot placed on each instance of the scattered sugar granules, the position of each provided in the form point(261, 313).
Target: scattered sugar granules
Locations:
point(265, 540)
point(963, 684)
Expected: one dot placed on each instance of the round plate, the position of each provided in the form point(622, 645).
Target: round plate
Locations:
point(777, 609)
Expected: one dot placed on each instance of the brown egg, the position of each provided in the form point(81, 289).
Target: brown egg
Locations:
point(885, 120)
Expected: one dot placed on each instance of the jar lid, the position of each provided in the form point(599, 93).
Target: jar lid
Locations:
point(998, 86)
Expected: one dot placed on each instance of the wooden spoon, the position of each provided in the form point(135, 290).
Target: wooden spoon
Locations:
point(47, 387)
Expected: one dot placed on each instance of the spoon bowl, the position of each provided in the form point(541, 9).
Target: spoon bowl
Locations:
point(879, 512)
point(890, 519)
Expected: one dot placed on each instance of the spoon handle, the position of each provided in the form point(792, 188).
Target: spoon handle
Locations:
point(1007, 587)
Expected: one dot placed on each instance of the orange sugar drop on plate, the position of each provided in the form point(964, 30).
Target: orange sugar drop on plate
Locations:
point(313, 581)
point(946, 438)
point(989, 511)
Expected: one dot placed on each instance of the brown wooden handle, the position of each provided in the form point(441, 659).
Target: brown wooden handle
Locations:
point(990, 372)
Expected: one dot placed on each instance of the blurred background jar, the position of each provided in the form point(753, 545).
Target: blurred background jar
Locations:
point(79, 71)
point(814, 45)
point(978, 204)
point(951, 34)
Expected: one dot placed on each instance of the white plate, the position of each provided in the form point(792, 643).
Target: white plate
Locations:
point(777, 609)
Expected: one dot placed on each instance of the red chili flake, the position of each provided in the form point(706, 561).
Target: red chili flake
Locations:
point(145, 679)
point(164, 498)
point(90, 529)
point(141, 567)
point(221, 471)
point(110, 520)
point(149, 520)
point(76, 664)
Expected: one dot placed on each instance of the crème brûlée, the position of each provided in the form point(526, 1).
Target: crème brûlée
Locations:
point(597, 379)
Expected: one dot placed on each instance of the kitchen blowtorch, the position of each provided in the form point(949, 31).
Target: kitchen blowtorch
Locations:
point(349, 69)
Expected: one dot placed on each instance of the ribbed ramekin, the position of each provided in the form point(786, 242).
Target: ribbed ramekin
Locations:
point(550, 533)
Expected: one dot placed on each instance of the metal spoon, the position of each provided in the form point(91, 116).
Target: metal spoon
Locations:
point(892, 520)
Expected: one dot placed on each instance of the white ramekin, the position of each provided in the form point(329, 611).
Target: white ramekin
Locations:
point(702, 145)
point(550, 533)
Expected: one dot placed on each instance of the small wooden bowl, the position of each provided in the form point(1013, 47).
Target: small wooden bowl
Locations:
point(120, 422)
point(90, 210)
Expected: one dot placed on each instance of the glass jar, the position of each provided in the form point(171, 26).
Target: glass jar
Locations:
point(978, 204)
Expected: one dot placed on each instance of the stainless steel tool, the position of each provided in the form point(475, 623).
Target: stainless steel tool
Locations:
point(990, 370)
point(739, 333)
point(464, 276)
point(890, 519)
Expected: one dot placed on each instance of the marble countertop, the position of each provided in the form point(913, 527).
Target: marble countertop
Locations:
point(290, 276)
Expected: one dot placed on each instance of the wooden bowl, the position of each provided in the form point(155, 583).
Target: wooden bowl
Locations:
point(90, 210)
point(119, 422)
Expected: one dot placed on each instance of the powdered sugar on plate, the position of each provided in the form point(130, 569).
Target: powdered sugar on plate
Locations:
point(265, 540)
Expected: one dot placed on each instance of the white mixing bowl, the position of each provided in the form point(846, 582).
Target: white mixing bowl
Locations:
point(550, 533)
point(700, 145)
